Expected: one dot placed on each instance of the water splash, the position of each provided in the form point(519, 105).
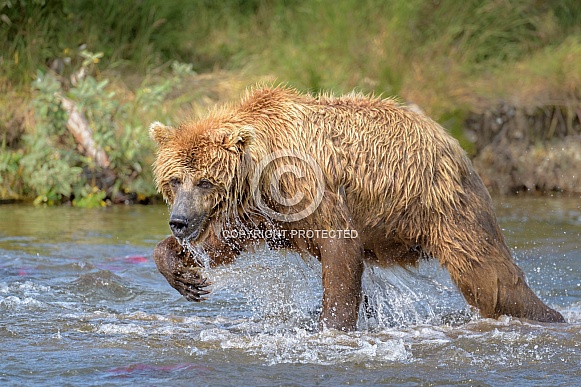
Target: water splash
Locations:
point(285, 291)
point(398, 296)
point(302, 346)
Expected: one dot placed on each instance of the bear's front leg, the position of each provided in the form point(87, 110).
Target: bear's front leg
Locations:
point(342, 263)
point(180, 269)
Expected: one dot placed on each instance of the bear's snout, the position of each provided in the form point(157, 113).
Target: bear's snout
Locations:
point(186, 228)
point(188, 215)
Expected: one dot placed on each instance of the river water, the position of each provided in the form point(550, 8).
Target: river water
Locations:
point(82, 303)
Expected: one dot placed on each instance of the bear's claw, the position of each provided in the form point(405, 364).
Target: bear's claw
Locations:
point(192, 284)
point(180, 270)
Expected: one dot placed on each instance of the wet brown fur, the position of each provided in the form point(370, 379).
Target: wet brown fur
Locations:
point(394, 175)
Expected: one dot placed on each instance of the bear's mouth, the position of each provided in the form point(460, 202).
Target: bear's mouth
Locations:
point(193, 236)
point(191, 240)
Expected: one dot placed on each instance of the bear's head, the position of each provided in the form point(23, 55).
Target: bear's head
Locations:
point(197, 170)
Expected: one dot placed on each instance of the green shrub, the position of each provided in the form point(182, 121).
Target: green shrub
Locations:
point(10, 173)
point(51, 166)
point(54, 169)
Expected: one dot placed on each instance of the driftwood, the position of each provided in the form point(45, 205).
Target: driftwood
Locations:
point(78, 125)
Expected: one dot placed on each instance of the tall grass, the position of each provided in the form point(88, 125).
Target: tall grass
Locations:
point(339, 44)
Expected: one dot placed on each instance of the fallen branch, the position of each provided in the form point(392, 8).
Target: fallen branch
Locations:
point(78, 125)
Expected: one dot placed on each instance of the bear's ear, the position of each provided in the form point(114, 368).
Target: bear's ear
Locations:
point(239, 139)
point(159, 132)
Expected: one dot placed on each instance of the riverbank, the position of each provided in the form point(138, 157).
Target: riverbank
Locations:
point(522, 149)
point(515, 149)
point(505, 79)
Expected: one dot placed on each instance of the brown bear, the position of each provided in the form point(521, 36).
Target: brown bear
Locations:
point(345, 179)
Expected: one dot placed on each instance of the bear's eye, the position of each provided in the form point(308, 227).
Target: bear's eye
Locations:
point(205, 184)
point(174, 182)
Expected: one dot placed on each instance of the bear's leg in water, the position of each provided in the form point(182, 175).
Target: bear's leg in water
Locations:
point(471, 246)
point(342, 263)
point(496, 286)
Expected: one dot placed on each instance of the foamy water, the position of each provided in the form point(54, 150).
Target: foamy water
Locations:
point(82, 303)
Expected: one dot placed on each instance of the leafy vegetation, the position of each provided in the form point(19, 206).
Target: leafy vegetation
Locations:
point(117, 62)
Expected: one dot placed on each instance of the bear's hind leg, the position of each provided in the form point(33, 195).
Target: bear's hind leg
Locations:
point(487, 275)
point(498, 287)
point(469, 243)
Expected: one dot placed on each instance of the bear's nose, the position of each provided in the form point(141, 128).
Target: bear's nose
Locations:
point(178, 226)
